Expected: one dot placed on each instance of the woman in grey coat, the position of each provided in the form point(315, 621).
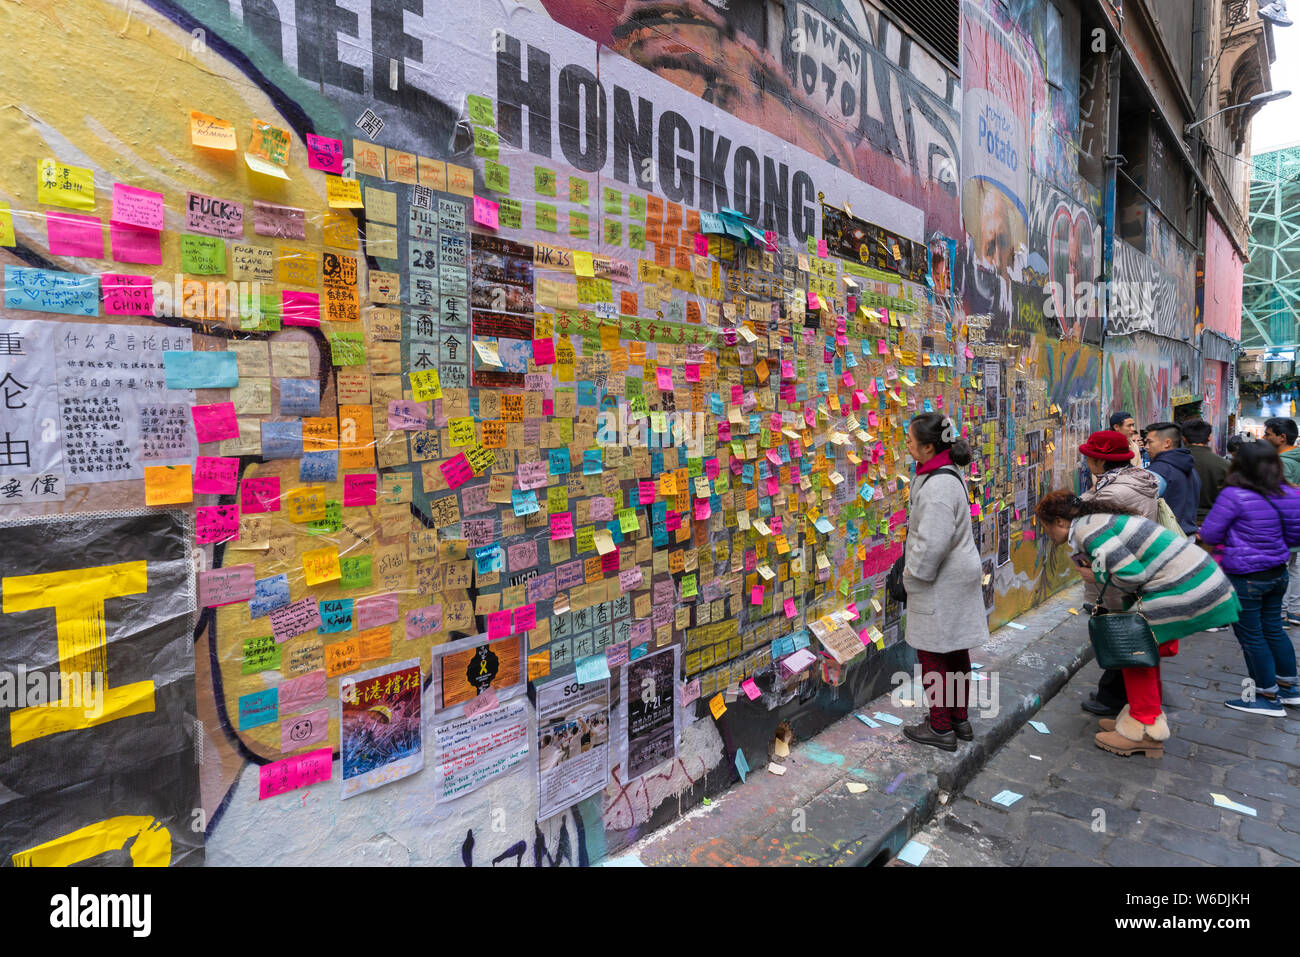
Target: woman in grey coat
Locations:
point(942, 575)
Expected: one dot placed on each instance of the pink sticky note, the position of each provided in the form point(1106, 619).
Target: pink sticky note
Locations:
point(457, 471)
point(711, 469)
point(134, 245)
point(790, 610)
point(376, 610)
point(74, 235)
point(969, 354)
point(260, 495)
point(214, 216)
point(127, 295)
point(756, 596)
point(486, 212)
point(133, 206)
point(544, 351)
point(300, 308)
point(750, 689)
point(324, 153)
point(702, 509)
point(812, 299)
point(299, 771)
point(300, 730)
point(214, 475)
point(701, 244)
point(631, 578)
point(692, 372)
point(498, 623)
point(215, 422)
point(423, 621)
point(561, 525)
point(664, 377)
point(360, 489)
point(690, 692)
point(822, 252)
point(873, 420)
point(225, 586)
point(526, 617)
point(295, 619)
point(1029, 535)
point(645, 491)
point(216, 523)
point(850, 303)
point(882, 347)
point(302, 692)
point(769, 240)
point(405, 415)
point(480, 703)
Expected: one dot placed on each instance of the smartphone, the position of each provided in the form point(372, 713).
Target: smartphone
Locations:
point(1081, 559)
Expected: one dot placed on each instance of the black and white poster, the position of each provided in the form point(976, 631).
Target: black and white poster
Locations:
point(651, 728)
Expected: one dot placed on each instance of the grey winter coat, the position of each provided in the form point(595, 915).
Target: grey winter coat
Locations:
point(1130, 488)
point(942, 575)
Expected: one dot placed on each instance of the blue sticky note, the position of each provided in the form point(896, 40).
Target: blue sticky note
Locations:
point(51, 290)
point(592, 668)
point(259, 708)
point(335, 615)
point(201, 370)
point(640, 651)
point(781, 647)
point(1039, 727)
point(913, 853)
point(1006, 798)
point(318, 467)
point(281, 440)
point(299, 397)
point(268, 595)
point(887, 718)
point(867, 721)
point(490, 558)
point(524, 501)
point(558, 461)
point(742, 765)
point(593, 462)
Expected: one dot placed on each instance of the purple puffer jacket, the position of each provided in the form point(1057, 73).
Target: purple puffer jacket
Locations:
point(1256, 534)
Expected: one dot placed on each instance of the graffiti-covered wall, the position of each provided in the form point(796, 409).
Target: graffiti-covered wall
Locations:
point(450, 433)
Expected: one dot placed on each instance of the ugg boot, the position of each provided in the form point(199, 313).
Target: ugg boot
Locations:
point(1129, 736)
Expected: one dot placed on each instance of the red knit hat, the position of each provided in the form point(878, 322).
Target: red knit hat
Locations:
point(1108, 446)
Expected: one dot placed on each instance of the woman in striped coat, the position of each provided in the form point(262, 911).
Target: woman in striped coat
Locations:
point(1182, 591)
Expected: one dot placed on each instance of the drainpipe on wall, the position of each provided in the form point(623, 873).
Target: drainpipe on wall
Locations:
point(1111, 160)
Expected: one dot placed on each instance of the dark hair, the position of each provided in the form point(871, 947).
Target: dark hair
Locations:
point(1285, 427)
point(928, 429)
point(1197, 431)
point(1234, 442)
point(1257, 466)
point(1117, 418)
point(1167, 430)
point(1064, 504)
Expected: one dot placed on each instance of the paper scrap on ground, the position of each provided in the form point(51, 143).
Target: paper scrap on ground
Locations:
point(855, 787)
point(776, 768)
point(1006, 798)
point(1222, 800)
point(913, 853)
point(1039, 727)
point(867, 721)
point(1016, 625)
point(887, 718)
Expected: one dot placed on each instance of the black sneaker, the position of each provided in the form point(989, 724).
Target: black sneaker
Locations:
point(963, 730)
point(924, 734)
point(1100, 708)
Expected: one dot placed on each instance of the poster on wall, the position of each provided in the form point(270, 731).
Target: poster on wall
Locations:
point(651, 731)
point(380, 732)
point(572, 743)
point(471, 672)
point(473, 750)
point(97, 745)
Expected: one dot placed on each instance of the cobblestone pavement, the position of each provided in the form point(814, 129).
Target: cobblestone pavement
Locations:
point(1083, 806)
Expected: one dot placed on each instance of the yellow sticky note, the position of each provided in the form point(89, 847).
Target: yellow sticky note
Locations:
point(855, 787)
point(264, 167)
point(583, 265)
point(462, 431)
point(6, 226)
point(717, 706)
point(343, 193)
point(167, 485)
point(61, 185)
point(306, 504)
point(426, 385)
point(321, 565)
point(211, 132)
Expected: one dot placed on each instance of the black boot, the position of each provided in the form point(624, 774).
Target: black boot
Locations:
point(963, 730)
point(924, 734)
point(1100, 708)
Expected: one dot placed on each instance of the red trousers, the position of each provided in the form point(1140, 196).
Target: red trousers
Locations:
point(1143, 687)
point(946, 679)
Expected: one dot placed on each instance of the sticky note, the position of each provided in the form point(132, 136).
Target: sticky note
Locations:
point(343, 193)
point(592, 668)
point(742, 766)
point(359, 490)
point(133, 206)
point(324, 153)
point(913, 853)
point(167, 485)
point(486, 212)
point(1039, 727)
point(58, 184)
point(211, 132)
point(73, 235)
point(216, 476)
point(321, 565)
point(750, 689)
point(426, 385)
point(1006, 798)
point(216, 422)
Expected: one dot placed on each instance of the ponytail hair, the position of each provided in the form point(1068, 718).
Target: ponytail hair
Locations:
point(939, 431)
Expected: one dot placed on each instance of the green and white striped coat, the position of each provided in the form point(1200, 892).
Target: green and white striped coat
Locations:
point(1183, 590)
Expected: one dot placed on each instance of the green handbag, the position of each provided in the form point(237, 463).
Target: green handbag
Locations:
point(1121, 639)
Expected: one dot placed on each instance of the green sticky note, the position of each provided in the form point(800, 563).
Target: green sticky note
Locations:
point(627, 520)
point(636, 235)
point(586, 539)
point(511, 214)
point(613, 232)
point(547, 221)
point(689, 587)
point(486, 143)
point(578, 225)
point(267, 318)
point(812, 245)
point(260, 654)
point(347, 348)
point(480, 110)
point(203, 255)
point(578, 191)
point(331, 524)
point(613, 201)
point(356, 572)
point(636, 206)
point(543, 181)
point(496, 176)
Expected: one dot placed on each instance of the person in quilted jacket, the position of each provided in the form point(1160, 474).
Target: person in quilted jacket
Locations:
point(1257, 520)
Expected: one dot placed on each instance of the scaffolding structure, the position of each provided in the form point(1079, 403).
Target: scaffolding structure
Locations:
point(1271, 285)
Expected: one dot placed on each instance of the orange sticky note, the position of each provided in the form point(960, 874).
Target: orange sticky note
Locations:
point(211, 132)
point(375, 643)
point(168, 485)
point(717, 706)
point(321, 565)
point(342, 657)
